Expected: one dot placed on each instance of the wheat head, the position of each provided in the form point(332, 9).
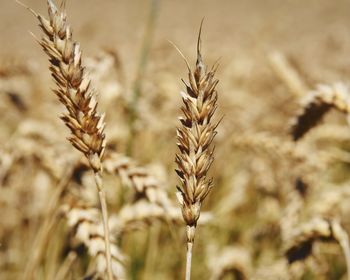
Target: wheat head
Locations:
point(317, 103)
point(84, 221)
point(195, 135)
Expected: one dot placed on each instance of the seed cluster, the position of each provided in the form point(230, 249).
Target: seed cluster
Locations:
point(73, 87)
point(195, 135)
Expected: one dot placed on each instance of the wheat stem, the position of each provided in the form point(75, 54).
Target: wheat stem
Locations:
point(144, 57)
point(346, 251)
point(102, 197)
point(343, 239)
point(189, 260)
point(63, 271)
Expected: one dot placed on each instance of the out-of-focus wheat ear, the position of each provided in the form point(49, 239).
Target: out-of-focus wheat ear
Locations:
point(144, 184)
point(300, 244)
point(273, 146)
point(195, 150)
point(84, 221)
point(316, 104)
point(143, 213)
point(233, 259)
point(310, 117)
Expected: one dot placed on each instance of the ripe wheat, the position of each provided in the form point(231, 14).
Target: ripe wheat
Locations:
point(195, 136)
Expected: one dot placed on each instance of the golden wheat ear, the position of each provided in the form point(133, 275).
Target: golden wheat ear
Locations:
point(316, 104)
point(195, 135)
point(74, 91)
point(84, 221)
point(137, 178)
point(235, 260)
point(300, 244)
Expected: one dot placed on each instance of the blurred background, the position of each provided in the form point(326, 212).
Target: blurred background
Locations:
point(271, 54)
point(230, 26)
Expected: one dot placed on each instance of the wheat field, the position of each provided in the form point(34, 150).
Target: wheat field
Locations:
point(164, 139)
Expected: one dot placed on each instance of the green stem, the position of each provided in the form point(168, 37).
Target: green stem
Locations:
point(137, 87)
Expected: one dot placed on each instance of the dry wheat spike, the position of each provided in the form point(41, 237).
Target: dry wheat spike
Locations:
point(73, 87)
point(299, 246)
point(142, 213)
point(280, 148)
point(233, 259)
point(317, 103)
point(74, 92)
point(139, 179)
point(85, 221)
point(195, 136)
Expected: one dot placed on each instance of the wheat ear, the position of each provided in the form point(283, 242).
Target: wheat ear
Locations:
point(142, 213)
point(279, 148)
point(195, 135)
point(74, 92)
point(317, 103)
point(137, 178)
point(301, 241)
point(85, 222)
point(233, 259)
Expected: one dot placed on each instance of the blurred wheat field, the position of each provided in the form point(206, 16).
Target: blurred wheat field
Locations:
point(279, 205)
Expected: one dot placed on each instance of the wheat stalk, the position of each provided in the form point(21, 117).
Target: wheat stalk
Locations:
point(74, 92)
point(48, 223)
point(66, 266)
point(195, 135)
point(141, 69)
